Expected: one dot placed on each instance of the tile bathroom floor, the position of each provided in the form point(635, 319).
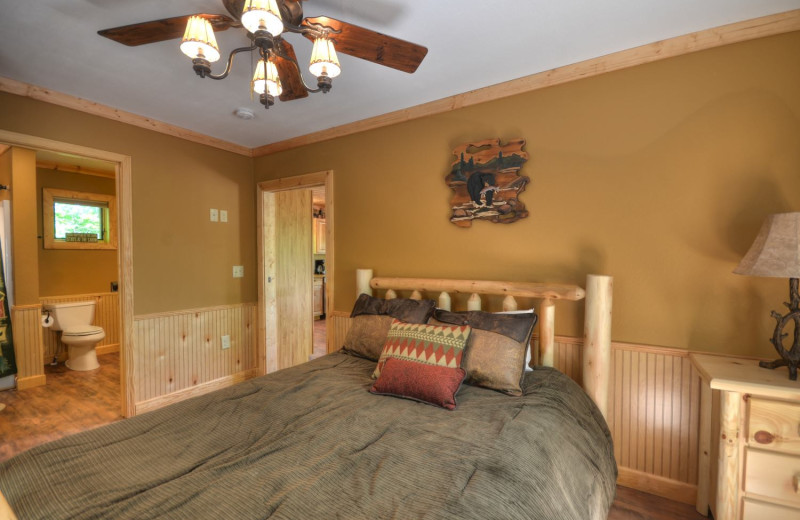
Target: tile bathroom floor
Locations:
point(70, 402)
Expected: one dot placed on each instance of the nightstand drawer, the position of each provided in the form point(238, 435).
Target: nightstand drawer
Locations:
point(755, 510)
point(774, 425)
point(774, 475)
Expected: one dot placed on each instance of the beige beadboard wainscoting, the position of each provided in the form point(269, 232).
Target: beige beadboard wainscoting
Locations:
point(179, 354)
point(106, 315)
point(26, 327)
point(653, 411)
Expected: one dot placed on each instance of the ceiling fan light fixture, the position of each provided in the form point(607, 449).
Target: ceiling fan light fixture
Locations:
point(324, 61)
point(266, 80)
point(262, 15)
point(199, 40)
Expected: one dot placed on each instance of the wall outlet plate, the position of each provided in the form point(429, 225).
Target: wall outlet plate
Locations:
point(223, 215)
point(238, 271)
point(226, 342)
point(214, 215)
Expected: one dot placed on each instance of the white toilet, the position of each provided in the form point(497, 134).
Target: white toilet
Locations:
point(74, 320)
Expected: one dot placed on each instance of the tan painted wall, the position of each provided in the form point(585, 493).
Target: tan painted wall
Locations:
point(77, 271)
point(181, 260)
point(659, 175)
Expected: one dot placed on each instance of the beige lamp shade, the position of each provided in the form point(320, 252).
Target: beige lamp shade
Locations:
point(199, 40)
point(776, 250)
point(269, 82)
point(323, 59)
point(265, 14)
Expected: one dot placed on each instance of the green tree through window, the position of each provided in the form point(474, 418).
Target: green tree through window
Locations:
point(78, 218)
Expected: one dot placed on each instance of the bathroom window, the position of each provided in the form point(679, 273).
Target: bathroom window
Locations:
point(78, 220)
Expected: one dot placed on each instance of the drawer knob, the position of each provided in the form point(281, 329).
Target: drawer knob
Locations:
point(796, 483)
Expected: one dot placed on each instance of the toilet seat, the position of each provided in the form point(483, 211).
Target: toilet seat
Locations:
point(82, 330)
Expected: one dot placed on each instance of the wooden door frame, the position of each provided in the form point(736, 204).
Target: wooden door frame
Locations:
point(125, 246)
point(267, 316)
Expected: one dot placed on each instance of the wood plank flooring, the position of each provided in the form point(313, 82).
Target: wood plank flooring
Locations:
point(320, 347)
point(630, 504)
point(70, 402)
point(76, 401)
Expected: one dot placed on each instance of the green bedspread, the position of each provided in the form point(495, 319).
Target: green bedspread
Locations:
point(310, 442)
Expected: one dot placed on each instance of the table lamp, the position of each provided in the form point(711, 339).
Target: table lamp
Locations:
point(776, 253)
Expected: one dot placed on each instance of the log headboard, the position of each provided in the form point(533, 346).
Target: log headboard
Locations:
point(597, 323)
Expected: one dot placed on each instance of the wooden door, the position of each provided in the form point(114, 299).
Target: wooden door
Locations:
point(294, 271)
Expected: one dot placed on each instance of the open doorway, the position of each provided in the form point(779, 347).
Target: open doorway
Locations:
point(289, 243)
point(59, 158)
point(319, 246)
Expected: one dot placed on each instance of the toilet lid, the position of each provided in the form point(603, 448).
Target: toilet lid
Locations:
point(82, 330)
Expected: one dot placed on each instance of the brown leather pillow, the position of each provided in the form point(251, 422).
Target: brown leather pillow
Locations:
point(404, 309)
point(495, 353)
point(367, 335)
point(372, 318)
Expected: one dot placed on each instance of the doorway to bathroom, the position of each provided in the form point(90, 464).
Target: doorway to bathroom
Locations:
point(75, 246)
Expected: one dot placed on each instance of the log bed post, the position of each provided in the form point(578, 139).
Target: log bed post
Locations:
point(547, 332)
point(363, 277)
point(509, 303)
point(597, 340)
point(444, 301)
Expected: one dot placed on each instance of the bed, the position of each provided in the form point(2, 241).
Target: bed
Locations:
point(312, 442)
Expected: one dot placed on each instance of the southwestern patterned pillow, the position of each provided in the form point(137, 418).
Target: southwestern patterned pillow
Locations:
point(372, 317)
point(433, 384)
point(422, 343)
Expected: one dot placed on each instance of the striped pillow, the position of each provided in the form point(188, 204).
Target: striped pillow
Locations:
point(421, 343)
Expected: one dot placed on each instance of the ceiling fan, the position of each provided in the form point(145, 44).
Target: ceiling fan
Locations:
point(278, 72)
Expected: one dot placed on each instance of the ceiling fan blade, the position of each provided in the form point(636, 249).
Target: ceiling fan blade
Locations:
point(371, 45)
point(161, 30)
point(288, 71)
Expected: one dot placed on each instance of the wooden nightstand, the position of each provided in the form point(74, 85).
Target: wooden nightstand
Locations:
point(755, 436)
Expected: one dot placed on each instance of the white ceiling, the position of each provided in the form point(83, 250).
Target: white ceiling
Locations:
point(471, 44)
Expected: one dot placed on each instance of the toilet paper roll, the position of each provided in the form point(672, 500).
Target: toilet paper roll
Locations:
point(47, 321)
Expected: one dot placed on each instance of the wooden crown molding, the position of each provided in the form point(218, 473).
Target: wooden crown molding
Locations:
point(96, 109)
point(707, 39)
point(762, 27)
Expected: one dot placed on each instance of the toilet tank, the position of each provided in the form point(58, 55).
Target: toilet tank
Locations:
point(71, 314)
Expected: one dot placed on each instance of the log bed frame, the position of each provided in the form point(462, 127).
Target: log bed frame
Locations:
point(596, 332)
point(597, 322)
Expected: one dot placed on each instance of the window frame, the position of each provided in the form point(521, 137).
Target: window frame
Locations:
point(52, 195)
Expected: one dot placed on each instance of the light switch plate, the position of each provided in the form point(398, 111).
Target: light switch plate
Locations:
point(223, 215)
point(226, 342)
point(238, 271)
point(214, 215)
